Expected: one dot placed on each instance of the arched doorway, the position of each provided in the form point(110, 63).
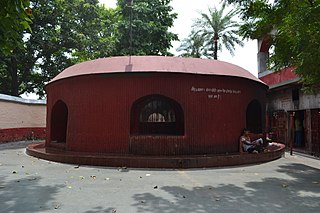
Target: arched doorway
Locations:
point(59, 122)
point(254, 117)
point(156, 115)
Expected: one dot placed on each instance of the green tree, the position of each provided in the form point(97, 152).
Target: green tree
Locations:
point(193, 46)
point(150, 22)
point(296, 41)
point(14, 18)
point(63, 33)
point(71, 31)
point(218, 29)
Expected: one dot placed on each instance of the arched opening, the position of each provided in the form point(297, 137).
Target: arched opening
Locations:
point(59, 122)
point(254, 117)
point(156, 115)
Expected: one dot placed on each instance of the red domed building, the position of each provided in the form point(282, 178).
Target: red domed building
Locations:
point(152, 106)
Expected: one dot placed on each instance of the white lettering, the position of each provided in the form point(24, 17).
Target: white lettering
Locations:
point(216, 92)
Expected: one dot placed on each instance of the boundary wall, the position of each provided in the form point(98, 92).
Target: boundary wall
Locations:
point(21, 119)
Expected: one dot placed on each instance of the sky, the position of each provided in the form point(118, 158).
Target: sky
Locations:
point(188, 10)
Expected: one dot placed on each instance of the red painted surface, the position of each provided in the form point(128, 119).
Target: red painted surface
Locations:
point(280, 76)
point(155, 64)
point(315, 132)
point(195, 161)
point(265, 45)
point(99, 110)
point(18, 134)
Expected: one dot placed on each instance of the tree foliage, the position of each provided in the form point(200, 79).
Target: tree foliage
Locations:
point(63, 33)
point(149, 22)
point(217, 30)
point(71, 31)
point(193, 46)
point(296, 41)
point(14, 18)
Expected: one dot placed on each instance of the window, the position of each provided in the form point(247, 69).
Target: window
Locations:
point(295, 95)
point(157, 110)
point(157, 115)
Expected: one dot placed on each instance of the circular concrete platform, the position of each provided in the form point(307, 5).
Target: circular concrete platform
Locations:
point(274, 151)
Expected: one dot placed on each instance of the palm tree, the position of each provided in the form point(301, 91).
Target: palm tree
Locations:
point(193, 46)
point(218, 29)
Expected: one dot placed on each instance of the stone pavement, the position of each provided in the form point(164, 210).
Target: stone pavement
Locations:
point(31, 185)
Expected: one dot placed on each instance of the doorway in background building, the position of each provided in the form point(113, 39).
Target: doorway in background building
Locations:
point(299, 130)
point(279, 126)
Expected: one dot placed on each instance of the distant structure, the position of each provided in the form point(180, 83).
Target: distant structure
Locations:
point(21, 119)
point(293, 116)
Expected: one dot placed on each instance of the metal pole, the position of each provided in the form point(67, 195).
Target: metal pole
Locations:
point(292, 114)
point(130, 3)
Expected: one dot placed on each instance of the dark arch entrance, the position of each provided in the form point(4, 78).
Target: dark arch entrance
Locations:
point(156, 115)
point(59, 122)
point(254, 117)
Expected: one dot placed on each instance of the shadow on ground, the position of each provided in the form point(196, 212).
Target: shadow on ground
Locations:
point(27, 195)
point(102, 210)
point(17, 145)
point(300, 193)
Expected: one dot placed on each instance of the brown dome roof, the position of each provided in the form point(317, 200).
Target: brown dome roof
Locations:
point(155, 64)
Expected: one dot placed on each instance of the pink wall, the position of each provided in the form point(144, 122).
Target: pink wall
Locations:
point(279, 77)
point(21, 119)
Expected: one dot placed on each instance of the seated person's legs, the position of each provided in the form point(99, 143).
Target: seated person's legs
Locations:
point(257, 148)
point(258, 141)
point(258, 144)
point(251, 149)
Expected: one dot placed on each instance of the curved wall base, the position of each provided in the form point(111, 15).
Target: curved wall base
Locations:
point(273, 152)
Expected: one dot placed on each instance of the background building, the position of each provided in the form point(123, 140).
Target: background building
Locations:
point(292, 115)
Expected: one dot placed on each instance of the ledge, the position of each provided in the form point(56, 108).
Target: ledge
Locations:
point(14, 99)
point(193, 161)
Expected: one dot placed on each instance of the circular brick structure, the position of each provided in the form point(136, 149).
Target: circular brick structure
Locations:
point(151, 107)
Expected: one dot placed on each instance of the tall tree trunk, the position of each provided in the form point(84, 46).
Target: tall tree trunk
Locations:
point(215, 51)
point(14, 76)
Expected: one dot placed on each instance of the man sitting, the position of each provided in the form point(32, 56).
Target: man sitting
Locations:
point(250, 146)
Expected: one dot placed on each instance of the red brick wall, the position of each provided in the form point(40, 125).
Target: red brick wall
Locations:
point(99, 109)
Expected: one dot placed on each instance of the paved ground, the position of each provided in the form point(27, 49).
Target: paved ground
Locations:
point(290, 184)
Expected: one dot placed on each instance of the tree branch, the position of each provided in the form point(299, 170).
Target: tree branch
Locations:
point(311, 2)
